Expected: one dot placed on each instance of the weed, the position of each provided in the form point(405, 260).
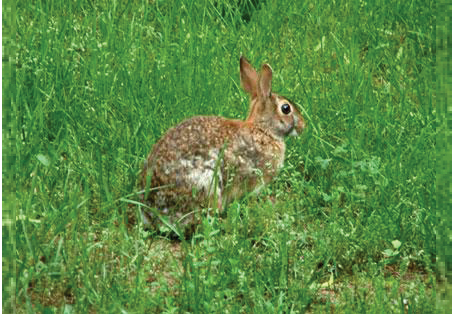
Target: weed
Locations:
point(349, 225)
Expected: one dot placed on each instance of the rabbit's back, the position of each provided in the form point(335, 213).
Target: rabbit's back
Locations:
point(206, 159)
point(183, 160)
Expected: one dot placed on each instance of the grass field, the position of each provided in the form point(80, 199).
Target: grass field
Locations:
point(348, 226)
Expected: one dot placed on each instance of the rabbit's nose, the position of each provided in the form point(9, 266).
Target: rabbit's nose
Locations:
point(301, 125)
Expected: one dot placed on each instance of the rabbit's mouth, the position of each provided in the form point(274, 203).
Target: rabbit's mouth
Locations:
point(293, 132)
point(297, 126)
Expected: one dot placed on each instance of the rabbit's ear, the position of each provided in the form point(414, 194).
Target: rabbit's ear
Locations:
point(265, 83)
point(248, 77)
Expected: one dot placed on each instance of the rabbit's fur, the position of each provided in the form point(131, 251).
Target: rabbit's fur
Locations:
point(208, 161)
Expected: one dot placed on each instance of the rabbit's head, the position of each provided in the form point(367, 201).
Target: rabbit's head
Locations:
point(268, 110)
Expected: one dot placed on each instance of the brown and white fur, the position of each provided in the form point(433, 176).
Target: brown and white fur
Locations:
point(208, 161)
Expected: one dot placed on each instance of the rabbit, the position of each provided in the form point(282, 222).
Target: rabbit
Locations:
point(209, 161)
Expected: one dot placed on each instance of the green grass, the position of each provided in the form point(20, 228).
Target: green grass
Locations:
point(352, 226)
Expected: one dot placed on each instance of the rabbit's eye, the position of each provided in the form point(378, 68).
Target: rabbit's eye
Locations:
point(285, 108)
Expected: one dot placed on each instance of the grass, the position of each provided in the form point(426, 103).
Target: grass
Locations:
point(351, 227)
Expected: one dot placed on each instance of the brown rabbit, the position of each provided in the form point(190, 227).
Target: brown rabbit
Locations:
point(208, 161)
